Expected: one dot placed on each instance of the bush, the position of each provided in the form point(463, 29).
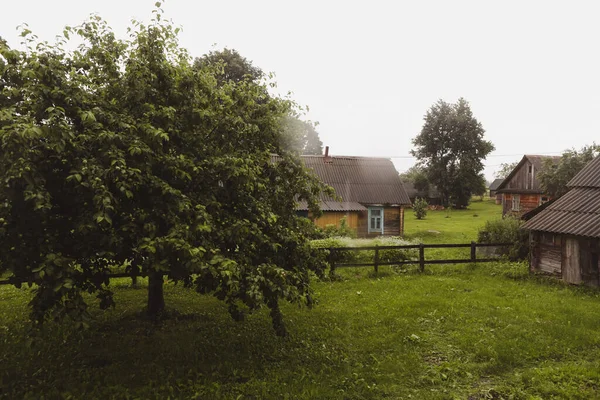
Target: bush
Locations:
point(367, 255)
point(506, 230)
point(420, 208)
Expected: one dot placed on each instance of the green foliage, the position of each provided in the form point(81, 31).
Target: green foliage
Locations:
point(451, 147)
point(555, 176)
point(420, 208)
point(417, 175)
point(122, 152)
point(301, 136)
point(507, 230)
point(229, 66)
point(343, 230)
point(505, 169)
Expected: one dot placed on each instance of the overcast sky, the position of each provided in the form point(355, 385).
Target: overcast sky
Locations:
point(370, 70)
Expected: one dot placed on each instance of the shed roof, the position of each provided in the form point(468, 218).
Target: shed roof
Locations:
point(358, 181)
point(494, 185)
point(578, 211)
point(589, 176)
point(412, 191)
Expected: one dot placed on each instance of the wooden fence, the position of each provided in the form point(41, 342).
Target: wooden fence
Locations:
point(334, 251)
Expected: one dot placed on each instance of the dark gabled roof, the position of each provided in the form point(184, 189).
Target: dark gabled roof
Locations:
point(412, 191)
point(494, 185)
point(535, 160)
point(578, 211)
point(358, 181)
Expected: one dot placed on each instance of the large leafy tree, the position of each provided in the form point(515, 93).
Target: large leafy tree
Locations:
point(122, 153)
point(451, 147)
point(555, 176)
point(229, 65)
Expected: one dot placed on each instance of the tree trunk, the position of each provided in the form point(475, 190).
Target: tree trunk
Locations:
point(156, 299)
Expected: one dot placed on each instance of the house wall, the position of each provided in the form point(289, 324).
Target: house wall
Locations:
point(334, 217)
point(393, 223)
point(527, 203)
point(546, 253)
point(573, 258)
point(522, 179)
point(571, 269)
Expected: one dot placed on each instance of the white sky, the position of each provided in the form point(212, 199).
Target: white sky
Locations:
point(370, 70)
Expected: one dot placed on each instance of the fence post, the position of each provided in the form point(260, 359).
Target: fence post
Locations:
point(473, 252)
point(376, 259)
point(331, 262)
point(421, 257)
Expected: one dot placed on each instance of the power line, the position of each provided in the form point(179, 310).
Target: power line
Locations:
point(493, 155)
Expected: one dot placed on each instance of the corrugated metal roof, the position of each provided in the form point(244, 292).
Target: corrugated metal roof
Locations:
point(575, 213)
point(333, 206)
point(365, 180)
point(589, 176)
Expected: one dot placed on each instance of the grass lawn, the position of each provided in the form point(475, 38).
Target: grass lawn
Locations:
point(486, 331)
point(451, 226)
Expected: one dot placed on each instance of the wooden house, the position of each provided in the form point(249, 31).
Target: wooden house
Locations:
point(494, 190)
point(520, 190)
point(372, 195)
point(565, 236)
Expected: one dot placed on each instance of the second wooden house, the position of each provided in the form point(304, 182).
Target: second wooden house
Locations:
point(372, 195)
point(520, 190)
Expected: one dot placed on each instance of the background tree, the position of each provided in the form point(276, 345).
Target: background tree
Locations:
point(417, 175)
point(554, 177)
point(505, 169)
point(451, 147)
point(122, 152)
point(229, 65)
point(301, 136)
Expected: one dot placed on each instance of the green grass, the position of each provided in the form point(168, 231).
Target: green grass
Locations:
point(450, 333)
point(487, 331)
point(451, 226)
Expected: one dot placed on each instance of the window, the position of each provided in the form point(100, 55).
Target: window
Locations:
point(516, 202)
point(543, 200)
point(376, 219)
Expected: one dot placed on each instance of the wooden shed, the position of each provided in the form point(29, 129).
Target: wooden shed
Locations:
point(494, 190)
point(565, 236)
point(372, 194)
point(521, 191)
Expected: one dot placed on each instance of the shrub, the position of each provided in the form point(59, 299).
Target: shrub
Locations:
point(420, 208)
point(365, 256)
point(506, 230)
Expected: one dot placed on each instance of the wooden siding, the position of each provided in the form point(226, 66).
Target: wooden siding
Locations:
point(571, 271)
point(546, 256)
point(522, 179)
point(393, 223)
point(334, 217)
point(527, 202)
point(574, 258)
point(588, 257)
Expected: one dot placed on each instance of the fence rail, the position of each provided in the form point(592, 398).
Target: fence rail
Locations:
point(333, 251)
point(376, 263)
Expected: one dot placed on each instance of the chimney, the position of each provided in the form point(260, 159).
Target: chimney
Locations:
point(326, 158)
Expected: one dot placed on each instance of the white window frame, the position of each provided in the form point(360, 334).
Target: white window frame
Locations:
point(516, 202)
point(375, 230)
